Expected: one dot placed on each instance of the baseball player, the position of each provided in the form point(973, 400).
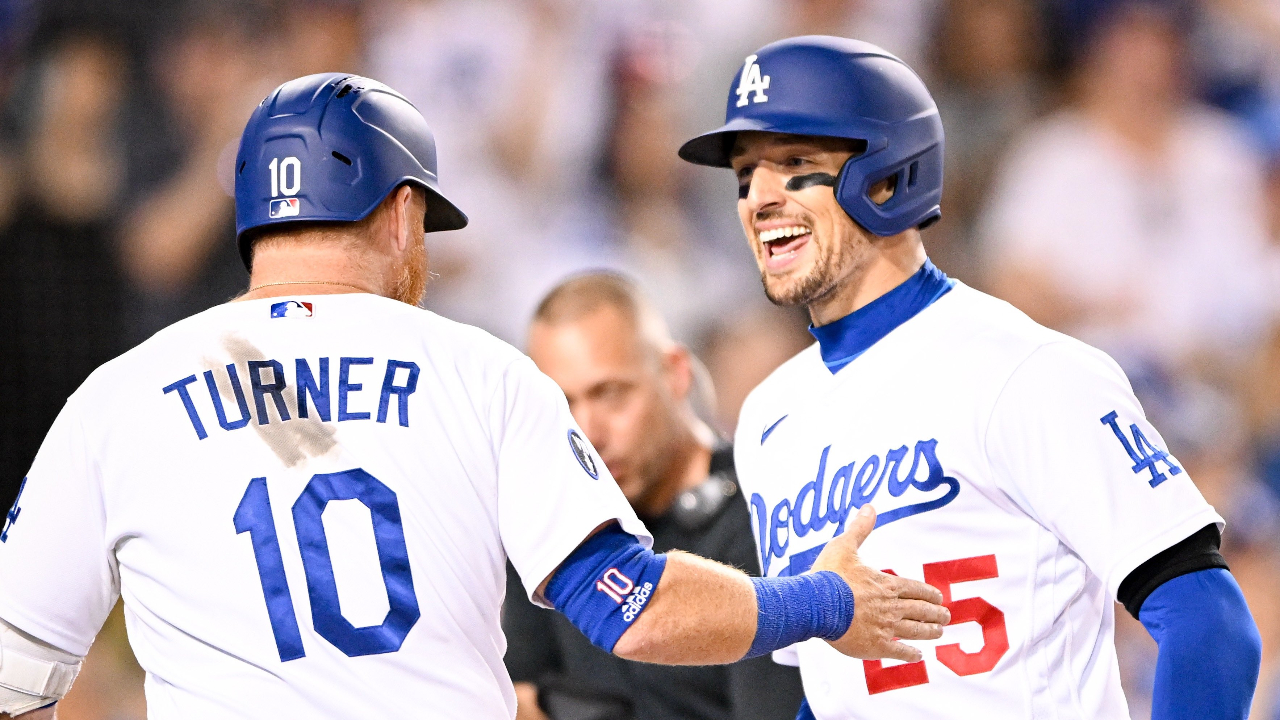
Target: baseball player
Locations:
point(1011, 466)
point(307, 498)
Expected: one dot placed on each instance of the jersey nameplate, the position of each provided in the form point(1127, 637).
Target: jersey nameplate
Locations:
point(311, 386)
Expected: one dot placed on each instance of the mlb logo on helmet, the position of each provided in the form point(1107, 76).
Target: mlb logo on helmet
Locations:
point(284, 207)
point(291, 308)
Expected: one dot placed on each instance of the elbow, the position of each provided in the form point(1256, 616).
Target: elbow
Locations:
point(1249, 640)
point(632, 645)
point(1187, 616)
point(645, 642)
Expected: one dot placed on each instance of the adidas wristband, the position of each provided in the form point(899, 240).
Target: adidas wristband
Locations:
point(604, 585)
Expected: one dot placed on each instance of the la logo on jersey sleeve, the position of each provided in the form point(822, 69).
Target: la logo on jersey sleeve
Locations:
point(1144, 454)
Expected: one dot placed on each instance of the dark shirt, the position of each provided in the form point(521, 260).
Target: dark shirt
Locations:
point(578, 681)
point(60, 318)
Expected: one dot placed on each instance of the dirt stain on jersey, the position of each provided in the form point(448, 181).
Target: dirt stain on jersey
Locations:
point(292, 441)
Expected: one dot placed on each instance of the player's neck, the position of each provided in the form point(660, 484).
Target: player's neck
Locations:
point(312, 269)
point(896, 259)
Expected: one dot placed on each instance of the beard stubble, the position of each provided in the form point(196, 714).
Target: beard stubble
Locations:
point(818, 282)
point(411, 285)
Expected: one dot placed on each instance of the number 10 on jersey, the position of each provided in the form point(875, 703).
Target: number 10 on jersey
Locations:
point(254, 517)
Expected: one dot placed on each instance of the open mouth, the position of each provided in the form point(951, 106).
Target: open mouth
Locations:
point(784, 241)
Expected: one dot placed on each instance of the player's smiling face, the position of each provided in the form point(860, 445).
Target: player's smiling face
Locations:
point(805, 244)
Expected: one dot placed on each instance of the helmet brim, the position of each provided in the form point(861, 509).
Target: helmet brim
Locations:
point(442, 215)
point(715, 148)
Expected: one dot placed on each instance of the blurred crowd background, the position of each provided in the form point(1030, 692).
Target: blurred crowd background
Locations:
point(1113, 168)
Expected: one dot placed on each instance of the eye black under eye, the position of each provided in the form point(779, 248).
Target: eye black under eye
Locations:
point(744, 189)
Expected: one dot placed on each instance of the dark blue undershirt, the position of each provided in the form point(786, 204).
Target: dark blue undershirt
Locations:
point(842, 341)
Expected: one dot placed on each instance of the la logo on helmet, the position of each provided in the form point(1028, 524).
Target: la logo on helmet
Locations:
point(752, 82)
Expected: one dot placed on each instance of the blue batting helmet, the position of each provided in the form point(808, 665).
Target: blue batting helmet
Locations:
point(836, 87)
point(329, 148)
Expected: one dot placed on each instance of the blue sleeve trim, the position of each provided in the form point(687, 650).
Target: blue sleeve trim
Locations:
point(805, 713)
point(604, 585)
point(792, 609)
point(1210, 651)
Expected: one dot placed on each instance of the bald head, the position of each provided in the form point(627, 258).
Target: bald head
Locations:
point(587, 294)
point(626, 380)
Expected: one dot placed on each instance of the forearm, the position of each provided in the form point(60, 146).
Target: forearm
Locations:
point(527, 702)
point(1209, 648)
point(702, 613)
point(680, 609)
point(171, 233)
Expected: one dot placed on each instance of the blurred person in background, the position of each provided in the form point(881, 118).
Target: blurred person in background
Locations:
point(1133, 218)
point(743, 349)
point(210, 74)
point(59, 285)
point(218, 63)
point(61, 288)
point(641, 213)
point(987, 58)
point(629, 386)
point(520, 88)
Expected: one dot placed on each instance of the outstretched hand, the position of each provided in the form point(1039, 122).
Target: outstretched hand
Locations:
point(886, 607)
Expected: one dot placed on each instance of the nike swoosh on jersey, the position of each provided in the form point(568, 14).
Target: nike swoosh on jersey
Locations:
point(769, 430)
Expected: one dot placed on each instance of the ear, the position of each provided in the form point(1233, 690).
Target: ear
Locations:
point(678, 368)
point(883, 191)
point(401, 217)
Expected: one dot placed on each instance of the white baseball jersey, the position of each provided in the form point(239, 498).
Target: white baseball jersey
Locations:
point(1012, 468)
point(307, 506)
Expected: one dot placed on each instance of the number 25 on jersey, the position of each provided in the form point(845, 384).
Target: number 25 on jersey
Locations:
point(254, 517)
point(995, 638)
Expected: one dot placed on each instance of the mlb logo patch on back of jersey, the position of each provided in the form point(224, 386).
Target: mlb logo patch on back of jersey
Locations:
point(284, 207)
point(291, 309)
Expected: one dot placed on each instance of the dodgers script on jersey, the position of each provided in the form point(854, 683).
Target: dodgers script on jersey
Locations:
point(307, 506)
point(1011, 467)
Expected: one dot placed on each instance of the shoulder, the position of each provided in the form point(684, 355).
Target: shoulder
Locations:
point(979, 322)
point(995, 340)
point(1215, 143)
point(1206, 125)
point(440, 335)
point(182, 337)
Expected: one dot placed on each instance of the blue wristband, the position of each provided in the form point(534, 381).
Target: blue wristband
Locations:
point(792, 609)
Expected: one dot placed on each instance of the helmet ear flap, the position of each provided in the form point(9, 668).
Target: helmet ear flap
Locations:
point(844, 197)
point(852, 190)
point(852, 193)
